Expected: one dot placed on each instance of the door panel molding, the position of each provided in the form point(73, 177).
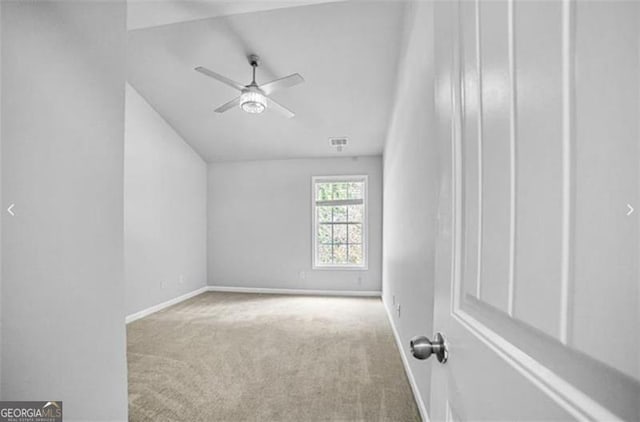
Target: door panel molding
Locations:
point(480, 143)
point(513, 155)
point(605, 385)
point(568, 190)
point(501, 331)
point(571, 399)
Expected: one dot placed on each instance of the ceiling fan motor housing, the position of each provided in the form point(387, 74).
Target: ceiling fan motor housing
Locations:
point(254, 60)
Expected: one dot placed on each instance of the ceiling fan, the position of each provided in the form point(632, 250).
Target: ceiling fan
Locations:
point(254, 98)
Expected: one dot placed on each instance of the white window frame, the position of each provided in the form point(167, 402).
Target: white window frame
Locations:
point(365, 223)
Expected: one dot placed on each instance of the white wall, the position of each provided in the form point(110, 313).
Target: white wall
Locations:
point(165, 210)
point(410, 192)
point(1, 203)
point(63, 76)
point(260, 224)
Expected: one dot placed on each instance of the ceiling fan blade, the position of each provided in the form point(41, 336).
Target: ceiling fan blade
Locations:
point(280, 108)
point(278, 84)
point(220, 78)
point(224, 107)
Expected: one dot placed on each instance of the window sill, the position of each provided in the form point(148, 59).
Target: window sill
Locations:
point(340, 267)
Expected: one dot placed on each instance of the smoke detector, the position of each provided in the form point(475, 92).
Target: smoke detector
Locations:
point(338, 143)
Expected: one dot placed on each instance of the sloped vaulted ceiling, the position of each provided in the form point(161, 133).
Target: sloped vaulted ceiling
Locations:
point(346, 51)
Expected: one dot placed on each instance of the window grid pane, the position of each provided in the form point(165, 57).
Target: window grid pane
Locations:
point(324, 214)
point(341, 243)
point(332, 251)
point(346, 227)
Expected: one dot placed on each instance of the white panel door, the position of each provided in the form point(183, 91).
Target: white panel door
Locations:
point(537, 284)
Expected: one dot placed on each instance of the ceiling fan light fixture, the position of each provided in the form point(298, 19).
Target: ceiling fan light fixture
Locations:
point(254, 98)
point(253, 102)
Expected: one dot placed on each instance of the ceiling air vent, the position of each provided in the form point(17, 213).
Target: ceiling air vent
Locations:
point(338, 143)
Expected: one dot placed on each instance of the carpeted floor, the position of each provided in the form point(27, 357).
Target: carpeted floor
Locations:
point(250, 357)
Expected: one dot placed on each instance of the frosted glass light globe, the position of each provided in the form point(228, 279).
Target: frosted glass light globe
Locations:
point(253, 102)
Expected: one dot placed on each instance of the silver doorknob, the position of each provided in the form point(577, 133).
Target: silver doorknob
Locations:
point(422, 347)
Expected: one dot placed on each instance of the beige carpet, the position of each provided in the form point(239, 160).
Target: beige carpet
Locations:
point(250, 357)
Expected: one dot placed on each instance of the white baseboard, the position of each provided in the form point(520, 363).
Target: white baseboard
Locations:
point(412, 381)
point(155, 308)
point(365, 293)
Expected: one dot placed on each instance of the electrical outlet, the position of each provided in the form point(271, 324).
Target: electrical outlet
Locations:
point(181, 279)
point(163, 284)
point(302, 275)
point(398, 309)
point(359, 280)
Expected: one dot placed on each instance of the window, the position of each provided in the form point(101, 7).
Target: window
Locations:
point(340, 222)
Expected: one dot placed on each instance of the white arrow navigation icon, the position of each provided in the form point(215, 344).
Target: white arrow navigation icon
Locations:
point(10, 208)
point(630, 210)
